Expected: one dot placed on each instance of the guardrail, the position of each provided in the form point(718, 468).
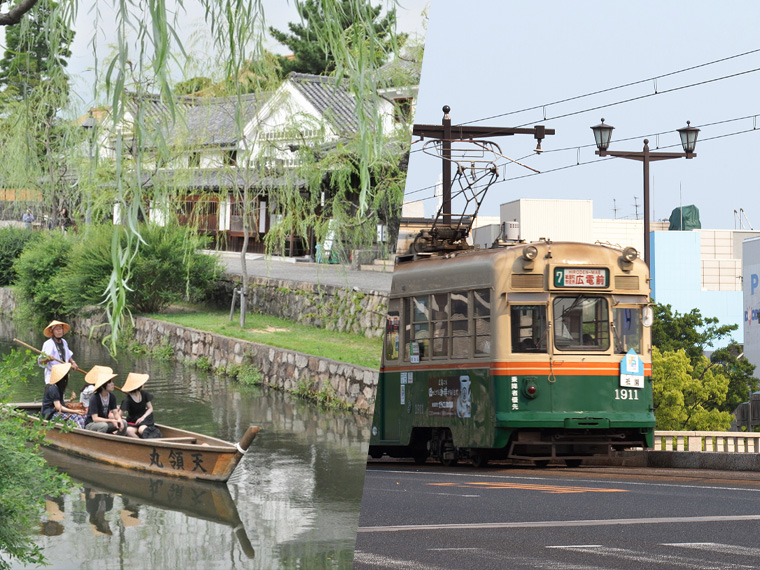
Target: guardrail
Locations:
point(714, 441)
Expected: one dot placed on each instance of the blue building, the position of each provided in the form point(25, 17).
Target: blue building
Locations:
point(700, 269)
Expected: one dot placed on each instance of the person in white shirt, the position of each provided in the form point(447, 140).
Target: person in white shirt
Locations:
point(56, 349)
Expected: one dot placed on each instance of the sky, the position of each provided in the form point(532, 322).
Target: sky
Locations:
point(496, 57)
point(96, 28)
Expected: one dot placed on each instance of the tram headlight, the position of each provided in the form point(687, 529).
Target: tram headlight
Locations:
point(530, 252)
point(630, 254)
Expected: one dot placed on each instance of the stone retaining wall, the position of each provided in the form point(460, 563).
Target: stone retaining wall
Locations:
point(280, 368)
point(325, 306)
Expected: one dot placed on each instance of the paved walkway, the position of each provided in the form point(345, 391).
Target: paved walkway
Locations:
point(292, 269)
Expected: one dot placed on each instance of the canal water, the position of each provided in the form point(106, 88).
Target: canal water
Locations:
point(293, 502)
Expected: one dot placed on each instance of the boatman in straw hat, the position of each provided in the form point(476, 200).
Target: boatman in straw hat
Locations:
point(55, 349)
point(53, 405)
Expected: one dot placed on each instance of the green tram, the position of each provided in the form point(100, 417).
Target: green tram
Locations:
point(537, 352)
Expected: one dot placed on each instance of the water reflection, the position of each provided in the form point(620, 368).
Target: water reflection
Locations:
point(297, 491)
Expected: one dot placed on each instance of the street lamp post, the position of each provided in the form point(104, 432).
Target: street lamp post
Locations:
point(603, 134)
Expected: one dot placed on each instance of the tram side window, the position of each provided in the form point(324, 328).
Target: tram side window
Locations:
point(581, 323)
point(392, 331)
point(439, 313)
point(627, 328)
point(482, 321)
point(460, 325)
point(528, 328)
point(420, 337)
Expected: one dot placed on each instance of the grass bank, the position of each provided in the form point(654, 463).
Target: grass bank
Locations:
point(273, 331)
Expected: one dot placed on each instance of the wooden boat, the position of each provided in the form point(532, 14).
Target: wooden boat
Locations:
point(179, 453)
point(196, 498)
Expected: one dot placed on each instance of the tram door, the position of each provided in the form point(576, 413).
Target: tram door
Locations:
point(391, 410)
point(389, 390)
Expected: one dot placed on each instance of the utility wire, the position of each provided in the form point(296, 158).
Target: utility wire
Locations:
point(607, 90)
point(631, 99)
point(567, 166)
point(623, 101)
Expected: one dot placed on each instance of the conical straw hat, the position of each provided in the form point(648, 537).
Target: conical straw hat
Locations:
point(58, 371)
point(48, 332)
point(103, 378)
point(95, 371)
point(134, 381)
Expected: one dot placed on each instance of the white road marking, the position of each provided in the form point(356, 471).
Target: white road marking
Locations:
point(577, 546)
point(545, 524)
point(644, 559)
point(369, 559)
point(716, 547)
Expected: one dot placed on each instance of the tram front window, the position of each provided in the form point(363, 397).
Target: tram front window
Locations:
point(581, 323)
point(528, 328)
point(628, 329)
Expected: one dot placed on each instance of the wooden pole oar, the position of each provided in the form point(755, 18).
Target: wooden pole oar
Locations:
point(38, 351)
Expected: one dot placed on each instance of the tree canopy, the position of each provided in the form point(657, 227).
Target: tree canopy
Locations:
point(690, 388)
point(672, 331)
point(307, 40)
point(36, 52)
point(686, 396)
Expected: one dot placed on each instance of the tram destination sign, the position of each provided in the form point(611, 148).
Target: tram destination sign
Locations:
point(582, 277)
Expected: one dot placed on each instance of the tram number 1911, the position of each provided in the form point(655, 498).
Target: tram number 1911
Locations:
point(626, 394)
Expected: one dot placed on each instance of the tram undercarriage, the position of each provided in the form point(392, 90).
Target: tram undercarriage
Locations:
point(539, 446)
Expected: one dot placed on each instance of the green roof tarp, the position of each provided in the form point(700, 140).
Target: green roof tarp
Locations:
point(685, 218)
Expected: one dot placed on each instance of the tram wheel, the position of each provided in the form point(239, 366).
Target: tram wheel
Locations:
point(478, 460)
point(573, 462)
point(449, 462)
point(541, 463)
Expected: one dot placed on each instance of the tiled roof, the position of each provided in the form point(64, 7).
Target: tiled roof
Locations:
point(201, 121)
point(330, 98)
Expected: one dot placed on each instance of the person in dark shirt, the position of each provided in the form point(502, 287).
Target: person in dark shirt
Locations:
point(53, 405)
point(137, 404)
point(90, 379)
point(103, 415)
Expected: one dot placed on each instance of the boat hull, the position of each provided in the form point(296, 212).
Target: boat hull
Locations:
point(179, 453)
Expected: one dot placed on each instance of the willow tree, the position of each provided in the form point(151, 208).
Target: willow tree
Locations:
point(148, 52)
point(35, 89)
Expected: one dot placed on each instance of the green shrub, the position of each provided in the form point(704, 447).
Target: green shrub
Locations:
point(202, 363)
point(12, 243)
point(246, 374)
point(37, 267)
point(58, 273)
point(163, 352)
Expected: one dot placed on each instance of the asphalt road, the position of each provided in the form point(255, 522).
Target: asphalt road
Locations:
point(292, 270)
point(432, 518)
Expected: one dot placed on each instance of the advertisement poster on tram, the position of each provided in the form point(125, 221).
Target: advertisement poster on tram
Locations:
point(449, 396)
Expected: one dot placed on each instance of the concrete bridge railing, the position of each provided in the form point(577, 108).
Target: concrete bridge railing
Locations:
point(711, 441)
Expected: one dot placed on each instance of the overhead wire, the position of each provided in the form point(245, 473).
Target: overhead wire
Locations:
point(623, 101)
point(609, 89)
point(604, 159)
point(598, 107)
